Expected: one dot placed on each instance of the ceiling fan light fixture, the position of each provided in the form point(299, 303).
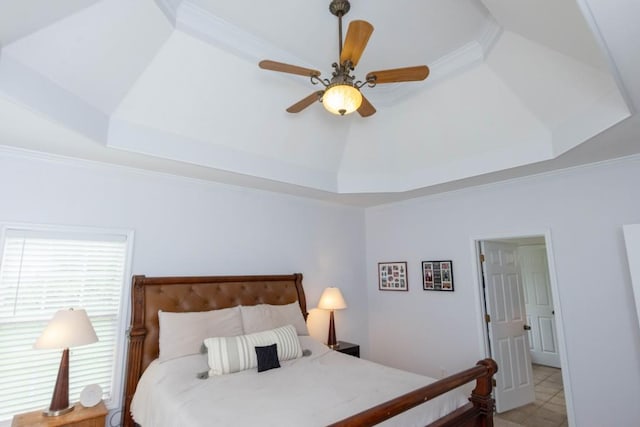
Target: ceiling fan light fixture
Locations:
point(341, 95)
point(341, 98)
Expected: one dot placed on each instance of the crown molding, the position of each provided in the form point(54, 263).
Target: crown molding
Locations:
point(509, 181)
point(198, 22)
point(411, 198)
point(170, 9)
point(450, 65)
point(489, 35)
point(589, 18)
point(445, 67)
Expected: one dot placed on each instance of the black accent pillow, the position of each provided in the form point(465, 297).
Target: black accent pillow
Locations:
point(267, 357)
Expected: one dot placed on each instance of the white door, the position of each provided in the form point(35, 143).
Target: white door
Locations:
point(508, 338)
point(632, 241)
point(539, 305)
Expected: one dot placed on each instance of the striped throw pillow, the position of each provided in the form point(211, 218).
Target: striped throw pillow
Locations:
point(233, 354)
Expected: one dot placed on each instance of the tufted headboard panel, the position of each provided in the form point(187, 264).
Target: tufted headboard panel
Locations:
point(184, 294)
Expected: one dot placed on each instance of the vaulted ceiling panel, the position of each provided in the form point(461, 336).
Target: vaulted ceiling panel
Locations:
point(574, 99)
point(538, 74)
point(473, 119)
point(558, 25)
point(23, 17)
point(200, 93)
point(98, 52)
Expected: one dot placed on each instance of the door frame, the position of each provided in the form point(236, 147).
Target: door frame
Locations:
point(483, 337)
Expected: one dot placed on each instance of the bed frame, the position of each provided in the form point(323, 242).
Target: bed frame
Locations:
point(183, 294)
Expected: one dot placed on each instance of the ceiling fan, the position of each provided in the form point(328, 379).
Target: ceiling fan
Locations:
point(341, 94)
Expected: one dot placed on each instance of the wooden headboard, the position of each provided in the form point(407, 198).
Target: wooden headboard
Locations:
point(185, 294)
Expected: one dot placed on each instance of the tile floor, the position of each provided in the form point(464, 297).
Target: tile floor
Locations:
point(549, 408)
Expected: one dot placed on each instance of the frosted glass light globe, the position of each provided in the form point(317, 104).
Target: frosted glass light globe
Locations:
point(341, 98)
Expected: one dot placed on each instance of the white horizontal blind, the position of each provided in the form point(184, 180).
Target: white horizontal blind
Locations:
point(40, 273)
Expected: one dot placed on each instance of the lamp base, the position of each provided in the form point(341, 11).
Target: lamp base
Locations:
point(60, 400)
point(332, 342)
point(58, 412)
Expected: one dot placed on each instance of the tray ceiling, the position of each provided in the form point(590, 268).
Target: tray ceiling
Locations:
point(512, 84)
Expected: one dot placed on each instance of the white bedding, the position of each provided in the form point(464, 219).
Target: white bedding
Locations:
point(314, 390)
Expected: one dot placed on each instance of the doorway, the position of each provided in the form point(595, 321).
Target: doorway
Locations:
point(522, 328)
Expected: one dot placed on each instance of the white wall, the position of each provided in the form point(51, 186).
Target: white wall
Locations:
point(584, 209)
point(187, 227)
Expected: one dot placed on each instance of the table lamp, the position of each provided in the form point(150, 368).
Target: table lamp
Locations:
point(68, 328)
point(332, 299)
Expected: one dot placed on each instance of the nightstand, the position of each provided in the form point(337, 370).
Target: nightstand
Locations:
point(79, 417)
point(348, 348)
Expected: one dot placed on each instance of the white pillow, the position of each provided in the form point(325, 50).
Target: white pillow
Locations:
point(182, 334)
point(262, 317)
point(233, 354)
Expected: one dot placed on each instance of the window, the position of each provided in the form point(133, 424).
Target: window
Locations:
point(42, 270)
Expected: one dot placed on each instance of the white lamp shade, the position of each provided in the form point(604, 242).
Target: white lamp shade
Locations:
point(332, 299)
point(68, 328)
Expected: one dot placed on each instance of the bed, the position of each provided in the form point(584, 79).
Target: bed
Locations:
point(324, 387)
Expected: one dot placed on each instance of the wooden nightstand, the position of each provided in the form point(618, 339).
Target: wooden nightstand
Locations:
point(348, 348)
point(79, 417)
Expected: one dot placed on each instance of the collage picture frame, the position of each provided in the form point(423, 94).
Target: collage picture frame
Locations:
point(392, 276)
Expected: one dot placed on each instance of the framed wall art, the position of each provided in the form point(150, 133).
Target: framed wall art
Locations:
point(437, 275)
point(392, 276)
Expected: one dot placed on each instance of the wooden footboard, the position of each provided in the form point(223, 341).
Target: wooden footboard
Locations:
point(477, 413)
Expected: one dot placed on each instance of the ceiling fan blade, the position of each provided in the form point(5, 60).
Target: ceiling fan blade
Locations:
point(366, 109)
point(357, 37)
point(305, 102)
point(287, 68)
point(408, 74)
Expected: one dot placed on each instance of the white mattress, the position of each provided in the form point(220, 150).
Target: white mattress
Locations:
point(314, 390)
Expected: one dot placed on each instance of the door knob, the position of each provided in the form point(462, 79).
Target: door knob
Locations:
point(527, 327)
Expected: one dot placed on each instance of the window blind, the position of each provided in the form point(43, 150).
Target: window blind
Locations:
point(40, 273)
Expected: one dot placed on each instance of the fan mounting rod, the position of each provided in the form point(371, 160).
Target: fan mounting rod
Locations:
point(339, 8)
